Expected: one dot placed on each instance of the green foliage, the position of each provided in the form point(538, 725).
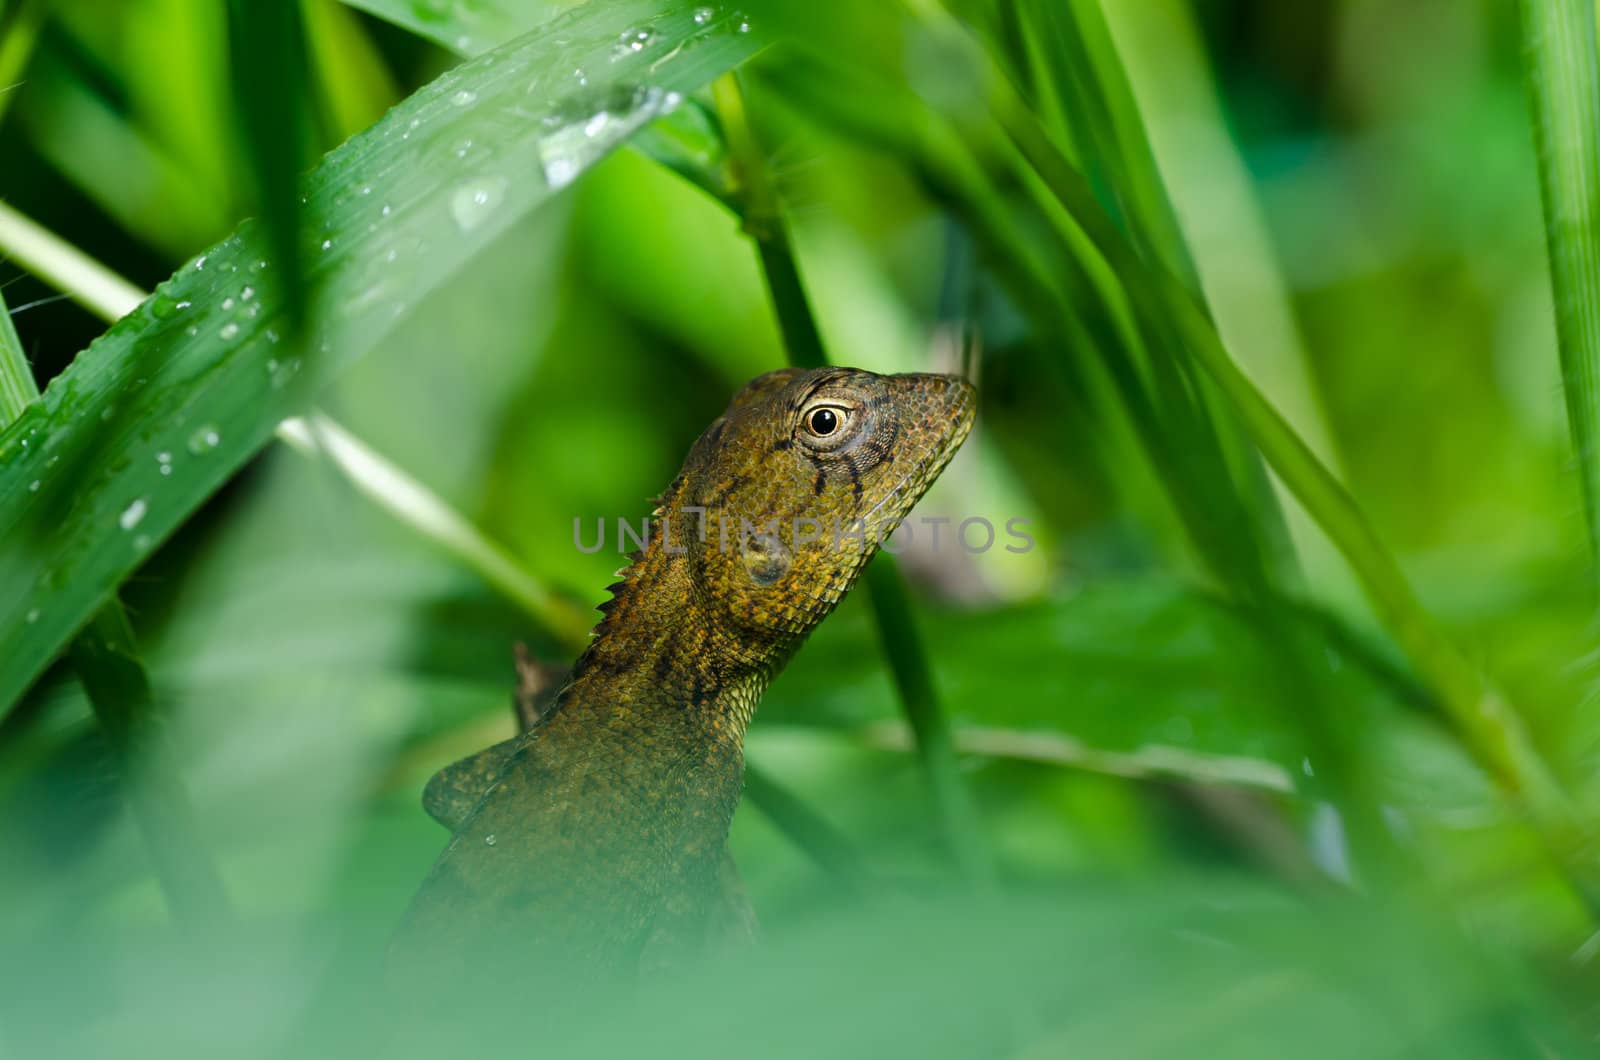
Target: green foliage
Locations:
point(1243, 789)
point(194, 383)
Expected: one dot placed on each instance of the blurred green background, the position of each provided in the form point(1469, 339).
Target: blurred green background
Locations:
point(1221, 806)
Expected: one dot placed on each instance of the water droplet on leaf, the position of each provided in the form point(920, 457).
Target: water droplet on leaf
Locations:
point(132, 514)
point(472, 203)
point(204, 440)
point(590, 124)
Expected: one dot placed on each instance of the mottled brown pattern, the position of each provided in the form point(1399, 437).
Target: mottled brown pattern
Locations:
point(597, 844)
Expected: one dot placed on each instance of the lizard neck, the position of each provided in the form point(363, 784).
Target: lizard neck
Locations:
point(661, 652)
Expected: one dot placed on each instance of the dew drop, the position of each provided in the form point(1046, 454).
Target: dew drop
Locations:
point(702, 15)
point(584, 129)
point(465, 98)
point(33, 487)
point(132, 514)
point(632, 41)
point(327, 244)
point(229, 331)
point(559, 172)
point(247, 294)
point(164, 462)
point(227, 304)
point(472, 203)
point(489, 840)
point(387, 210)
point(204, 440)
point(33, 616)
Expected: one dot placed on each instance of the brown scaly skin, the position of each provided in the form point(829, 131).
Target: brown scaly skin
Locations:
point(594, 843)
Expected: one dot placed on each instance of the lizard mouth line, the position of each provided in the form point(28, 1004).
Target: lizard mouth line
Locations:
point(929, 468)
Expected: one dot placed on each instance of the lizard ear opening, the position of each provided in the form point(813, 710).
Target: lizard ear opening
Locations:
point(766, 559)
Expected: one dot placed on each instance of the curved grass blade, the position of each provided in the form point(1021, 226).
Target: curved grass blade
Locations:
point(164, 408)
point(1563, 74)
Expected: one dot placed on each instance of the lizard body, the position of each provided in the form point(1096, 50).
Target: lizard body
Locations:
point(594, 842)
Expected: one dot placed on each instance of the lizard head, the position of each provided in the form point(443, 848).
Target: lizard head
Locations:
point(787, 495)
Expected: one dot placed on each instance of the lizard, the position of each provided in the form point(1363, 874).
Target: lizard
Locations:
point(593, 843)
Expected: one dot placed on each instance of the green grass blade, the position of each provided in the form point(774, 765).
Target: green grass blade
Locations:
point(1222, 224)
point(806, 829)
point(765, 224)
point(1563, 75)
point(17, 387)
point(907, 656)
point(465, 28)
point(268, 68)
point(114, 678)
point(354, 85)
point(19, 32)
point(413, 504)
point(90, 284)
point(902, 646)
point(163, 409)
point(118, 687)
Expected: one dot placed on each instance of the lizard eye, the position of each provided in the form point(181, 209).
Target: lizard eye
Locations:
point(828, 424)
point(822, 422)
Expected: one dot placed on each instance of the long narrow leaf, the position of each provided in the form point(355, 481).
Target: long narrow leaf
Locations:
point(118, 687)
point(465, 28)
point(1563, 75)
